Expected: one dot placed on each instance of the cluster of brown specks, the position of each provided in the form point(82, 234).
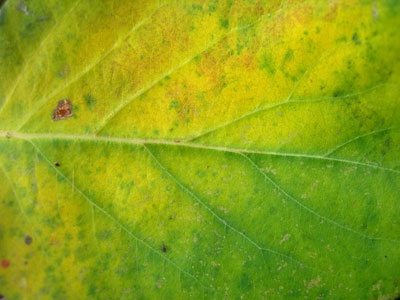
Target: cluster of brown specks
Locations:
point(63, 110)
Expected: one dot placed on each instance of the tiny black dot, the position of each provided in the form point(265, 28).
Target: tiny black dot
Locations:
point(164, 248)
point(57, 164)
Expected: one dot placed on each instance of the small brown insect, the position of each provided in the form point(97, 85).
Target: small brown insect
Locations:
point(57, 164)
point(63, 110)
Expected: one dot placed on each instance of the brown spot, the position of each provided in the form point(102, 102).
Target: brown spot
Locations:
point(57, 164)
point(28, 240)
point(63, 110)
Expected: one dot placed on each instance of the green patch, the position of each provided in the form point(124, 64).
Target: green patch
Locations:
point(90, 101)
point(127, 186)
point(267, 64)
point(288, 55)
point(197, 58)
point(201, 173)
point(224, 23)
point(81, 255)
point(355, 38)
point(245, 282)
point(212, 7)
point(174, 105)
point(196, 8)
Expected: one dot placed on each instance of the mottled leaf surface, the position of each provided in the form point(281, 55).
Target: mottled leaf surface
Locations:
point(200, 149)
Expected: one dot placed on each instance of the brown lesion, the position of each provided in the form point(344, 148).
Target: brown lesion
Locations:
point(63, 110)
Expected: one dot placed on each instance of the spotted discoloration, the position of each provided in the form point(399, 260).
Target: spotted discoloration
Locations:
point(63, 110)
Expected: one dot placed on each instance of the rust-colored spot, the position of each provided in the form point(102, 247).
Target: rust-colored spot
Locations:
point(28, 240)
point(63, 110)
point(5, 263)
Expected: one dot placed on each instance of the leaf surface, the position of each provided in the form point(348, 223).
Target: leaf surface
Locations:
point(216, 150)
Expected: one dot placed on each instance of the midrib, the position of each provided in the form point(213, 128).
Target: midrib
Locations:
point(7, 136)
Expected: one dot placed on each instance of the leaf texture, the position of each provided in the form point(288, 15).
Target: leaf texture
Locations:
point(212, 150)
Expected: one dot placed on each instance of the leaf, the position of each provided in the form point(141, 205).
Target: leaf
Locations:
point(203, 149)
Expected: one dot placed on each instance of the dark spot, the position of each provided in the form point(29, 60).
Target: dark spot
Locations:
point(57, 164)
point(338, 93)
point(63, 110)
point(90, 101)
point(385, 256)
point(28, 240)
point(164, 248)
